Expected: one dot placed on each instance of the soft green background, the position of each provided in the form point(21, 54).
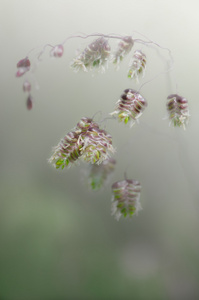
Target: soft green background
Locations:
point(57, 238)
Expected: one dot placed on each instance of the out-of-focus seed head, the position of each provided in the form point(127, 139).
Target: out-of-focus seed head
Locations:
point(126, 198)
point(95, 55)
point(99, 174)
point(178, 110)
point(29, 102)
point(124, 47)
point(137, 65)
point(129, 107)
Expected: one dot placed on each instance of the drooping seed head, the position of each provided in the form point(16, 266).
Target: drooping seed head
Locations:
point(99, 174)
point(126, 198)
point(129, 107)
point(178, 110)
point(86, 141)
point(137, 65)
point(124, 47)
point(67, 151)
point(95, 55)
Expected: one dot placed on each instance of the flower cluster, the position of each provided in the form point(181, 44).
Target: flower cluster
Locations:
point(95, 55)
point(87, 141)
point(124, 47)
point(177, 108)
point(126, 198)
point(137, 65)
point(98, 174)
point(129, 107)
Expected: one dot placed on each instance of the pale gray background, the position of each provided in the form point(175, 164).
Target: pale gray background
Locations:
point(57, 239)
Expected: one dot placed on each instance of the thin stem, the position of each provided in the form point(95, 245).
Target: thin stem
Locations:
point(171, 59)
point(111, 36)
point(161, 73)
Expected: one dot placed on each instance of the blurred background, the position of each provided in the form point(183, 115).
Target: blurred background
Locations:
point(58, 239)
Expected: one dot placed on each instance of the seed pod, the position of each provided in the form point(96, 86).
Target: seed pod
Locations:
point(124, 47)
point(178, 110)
point(126, 198)
point(137, 65)
point(129, 107)
point(95, 55)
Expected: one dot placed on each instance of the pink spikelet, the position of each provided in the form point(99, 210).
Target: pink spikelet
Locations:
point(126, 198)
point(23, 66)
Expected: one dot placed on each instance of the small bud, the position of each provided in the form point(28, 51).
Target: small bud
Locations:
point(129, 107)
point(29, 102)
point(57, 51)
point(137, 65)
point(178, 110)
point(126, 198)
point(26, 86)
